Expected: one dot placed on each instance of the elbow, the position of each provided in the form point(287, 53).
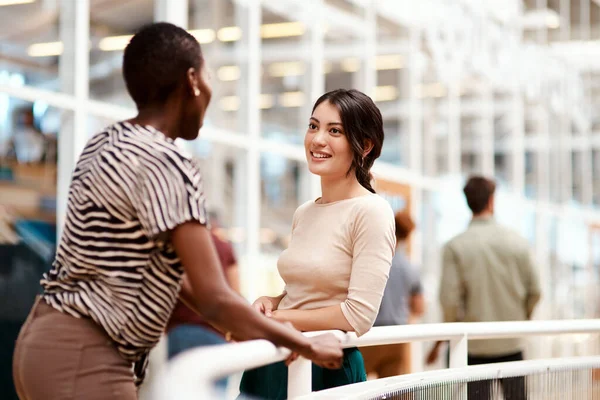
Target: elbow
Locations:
point(357, 321)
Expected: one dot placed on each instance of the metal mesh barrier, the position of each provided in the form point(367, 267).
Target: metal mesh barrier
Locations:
point(564, 379)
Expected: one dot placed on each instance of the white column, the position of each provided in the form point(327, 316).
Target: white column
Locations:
point(173, 11)
point(368, 71)
point(487, 131)
point(252, 40)
point(413, 81)
point(517, 173)
point(564, 150)
point(542, 130)
point(73, 71)
point(454, 134)
point(317, 73)
point(586, 179)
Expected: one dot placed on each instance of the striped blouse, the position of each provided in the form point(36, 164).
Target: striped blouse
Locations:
point(115, 263)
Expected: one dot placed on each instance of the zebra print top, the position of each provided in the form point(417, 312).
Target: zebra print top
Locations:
point(115, 263)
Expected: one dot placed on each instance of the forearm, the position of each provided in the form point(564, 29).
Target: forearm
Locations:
point(320, 319)
point(532, 301)
point(230, 313)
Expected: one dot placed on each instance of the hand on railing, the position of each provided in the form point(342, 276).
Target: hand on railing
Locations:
point(325, 351)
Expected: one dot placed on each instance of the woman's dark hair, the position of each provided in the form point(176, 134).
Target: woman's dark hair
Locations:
point(155, 61)
point(362, 121)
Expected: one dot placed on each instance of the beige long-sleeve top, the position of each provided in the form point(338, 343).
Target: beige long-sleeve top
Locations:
point(340, 253)
point(488, 274)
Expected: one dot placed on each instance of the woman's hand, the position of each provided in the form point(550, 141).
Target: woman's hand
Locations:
point(265, 305)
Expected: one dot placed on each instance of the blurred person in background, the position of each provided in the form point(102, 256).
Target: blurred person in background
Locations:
point(135, 239)
point(488, 274)
point(337, 263)
point(402, 302)
point(187, 329)
point(28, 142)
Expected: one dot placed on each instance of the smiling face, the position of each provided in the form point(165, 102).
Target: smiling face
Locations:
point(328, 151)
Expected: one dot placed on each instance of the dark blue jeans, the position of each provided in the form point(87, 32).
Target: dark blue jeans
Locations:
point(186, 337)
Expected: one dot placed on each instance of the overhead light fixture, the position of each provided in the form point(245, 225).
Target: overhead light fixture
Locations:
point(552, 21)
point(229, 34)
point(291, 99)
point(266, 101)
point(203, 36)
point(282, 29)
point(229, 73)
point(114, 43)
point(386, 93)
point(540, 19)
point(434, 89)
point(287, 68)
point(350, 64)
point(389, 61)
point(15, 2)
point(45, 49)
point(230, 103)
point(382, 62)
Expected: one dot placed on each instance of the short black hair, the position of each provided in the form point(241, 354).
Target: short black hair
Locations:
point(156, 59)
point(478, 192)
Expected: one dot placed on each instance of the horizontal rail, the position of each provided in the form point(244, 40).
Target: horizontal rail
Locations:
point(373, 388)
point(191, 374)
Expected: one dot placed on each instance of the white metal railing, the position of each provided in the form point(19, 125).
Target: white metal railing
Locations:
point(568, 377)
point(191, 374)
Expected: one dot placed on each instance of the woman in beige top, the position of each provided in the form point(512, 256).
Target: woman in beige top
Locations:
point(336, 266)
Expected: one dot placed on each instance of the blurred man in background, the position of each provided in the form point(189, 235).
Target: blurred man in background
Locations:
point(402, 301)
point(488, 275)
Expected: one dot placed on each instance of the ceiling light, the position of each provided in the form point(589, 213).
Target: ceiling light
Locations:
point(114, 43)
point(266, 101)
point(45, 49)
point(435, 89)
point(350, 64)
point(290, 68)
point(552, 21)
point(230, 103)
point(15, 2)
point(386, 93)
point(229, 34)
point(291, 99)
point(203, 36)
point(229, 73)
point(389, 61)
point(283, 29)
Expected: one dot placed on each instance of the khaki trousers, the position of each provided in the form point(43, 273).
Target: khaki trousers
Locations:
point(387, 360)
point(60, 357)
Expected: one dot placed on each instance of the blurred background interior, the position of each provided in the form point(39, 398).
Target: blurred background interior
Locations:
point(505, 88)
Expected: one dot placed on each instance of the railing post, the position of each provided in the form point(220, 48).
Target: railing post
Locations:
point(458, 352)
point(299, 378)
point(459, 358)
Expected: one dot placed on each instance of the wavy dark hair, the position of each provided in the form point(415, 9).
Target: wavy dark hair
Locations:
point(362, 121)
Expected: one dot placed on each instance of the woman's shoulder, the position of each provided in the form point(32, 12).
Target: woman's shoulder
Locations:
point(373, 205)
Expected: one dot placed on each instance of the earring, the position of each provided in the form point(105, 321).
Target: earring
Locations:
point(196, 92)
